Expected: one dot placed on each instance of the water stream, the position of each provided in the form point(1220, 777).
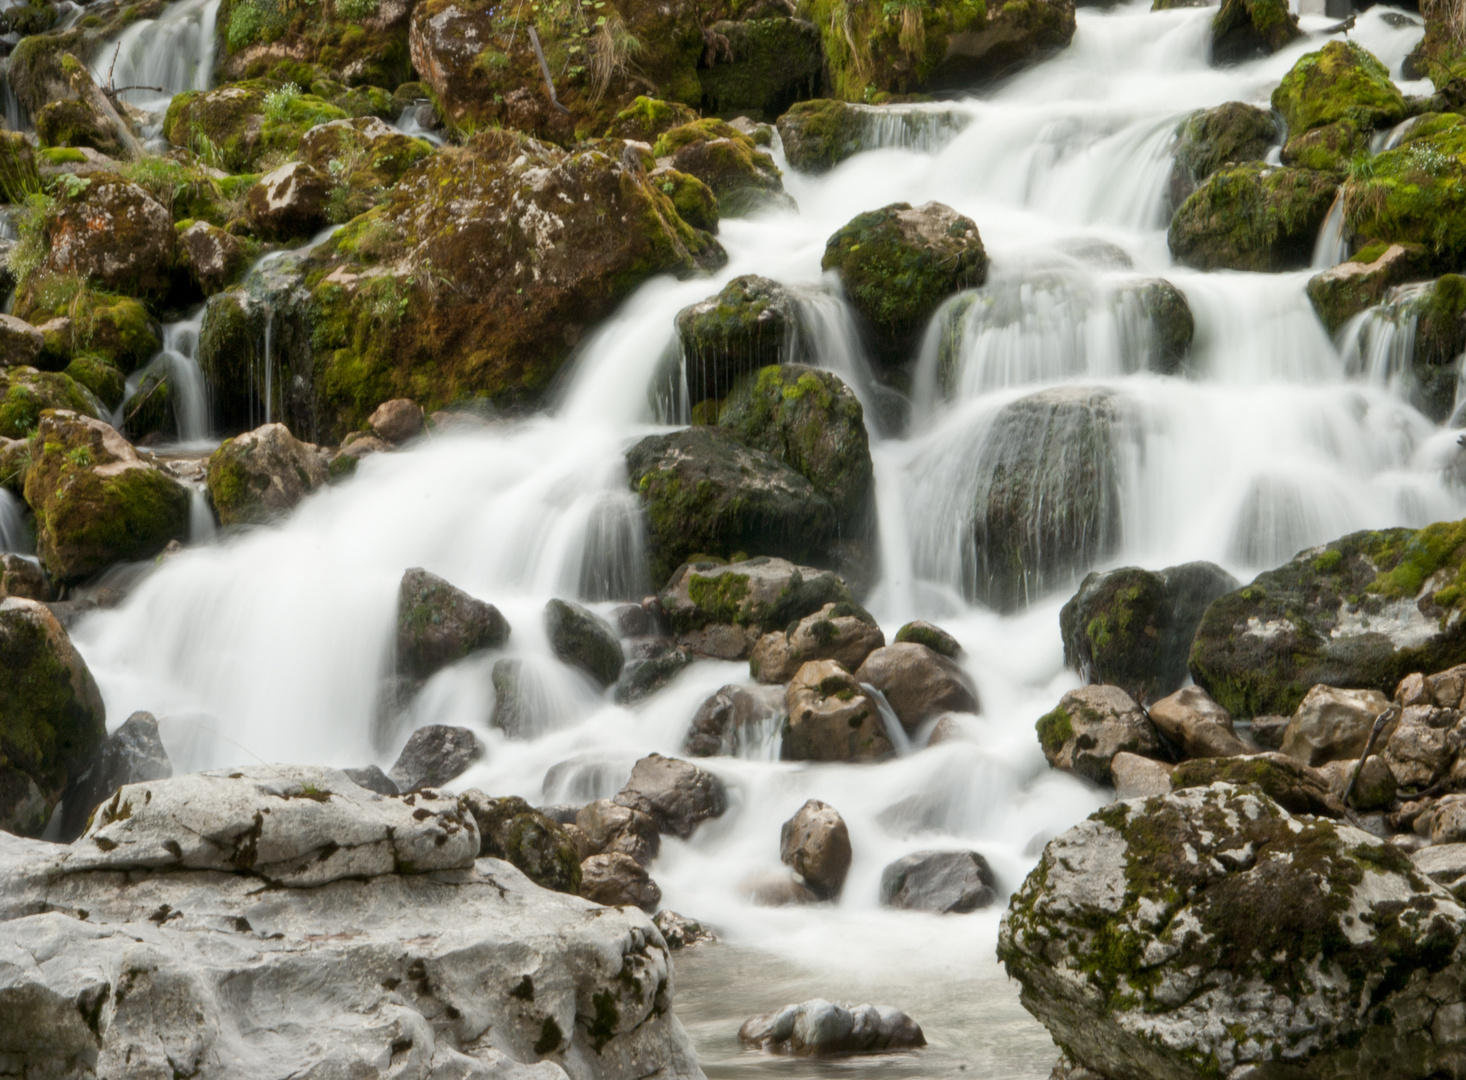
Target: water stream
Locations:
point(270, 645)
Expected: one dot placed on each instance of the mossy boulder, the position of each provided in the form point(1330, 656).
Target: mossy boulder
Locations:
point(1332, 101)
point(818, 135)
point(1252, 217)
point(693, 200)
point(1343, 291)
point(1208, 932)
point(646, 119)
point(99, 375)
point(79, 320)
point(1441, 54)
point(1245, 29)
point(96, 502)
point(1296, 787)
point(810, 420)
point(899, 263)
point(52, 720)
point(1210, 139)
point(760, 66)
point(742, 176)
point(365, 154)
point(512, 830)
point(1132, 628)
point(74, 123)
point(19, 174)
point(244, 125)
point(752, 323)
point(113, 235)
point(262, 474)
point(25, 393)
point(1361, 612)
point(439, 624)
point(359, 43)
point(1090, 726)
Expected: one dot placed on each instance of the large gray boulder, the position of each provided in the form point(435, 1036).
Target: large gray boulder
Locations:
point(438, 624)
point(434, 755)
point(677, 795)
point(1210, 933)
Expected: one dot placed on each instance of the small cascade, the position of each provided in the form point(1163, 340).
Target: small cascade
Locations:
point(15, 530)
point(410, 123)
point(202, 529)
point(170, 54)
point(922, 128)
point(174, 375)
point(1379, 344)
point(1332, 246)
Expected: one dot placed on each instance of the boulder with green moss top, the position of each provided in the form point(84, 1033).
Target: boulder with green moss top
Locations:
point(96, 502)
point(1132, 628)
point(1252, 217)
point(99, 375)
point(1343, 291)
point(365, 154)
point(1208, 932)
point(759, 66)
point(646, 119)
point(52, 720)
point(722, 609)
point(818, 135)
point(832, 717)
point(705, 492)
point(1296, 787)
point(899, 263)
point(1333, 100)
point(810, 420)
point(1361, 612)
point(76, 320)
point(743, 177)
point(1212, 138)
point(693, 200)
point(242, 125)
point(512, 830)
point(113, 235)
point(921, 632)
point(1245, 29)
point(359, 43)
point(1090, 726)
point(74, 123)
point(25, 393)
point(262, 474)
point(752, 323)
point(1416, 192)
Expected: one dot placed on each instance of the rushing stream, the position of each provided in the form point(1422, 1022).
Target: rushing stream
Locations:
point(271, 644)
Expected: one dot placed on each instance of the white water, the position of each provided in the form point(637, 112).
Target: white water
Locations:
point(177, 362)
point(174, 52)
point(15, 532)
point(271, 644)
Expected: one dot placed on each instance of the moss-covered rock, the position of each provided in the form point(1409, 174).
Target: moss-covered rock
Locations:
point(290, 201)
point(96, 502)
point(899, 263)
point(364, 155)
point(752, 323)
point(760, 66)
point(1441, 54)
point(646, 119)
point(262, 474)
point(111, 234)
point(1296, 787)
point(1252, 217)
point(1213, 138)
point(1359, 613)
point(1090, 726)
point(99, 375)
point(25, 393)
point(1208, 932)
point(79, 320)
point(1341, 82)
point(512, 830)
point(19, 175)
point(1244, 29)
point(73, 123)
point(818, 135)
point(52, 720)
point(743, 177)
point(1343, 291)
point(693, 200)
point(1166, 316)
point(359, 43)
point(214, 258)
point(247, 125)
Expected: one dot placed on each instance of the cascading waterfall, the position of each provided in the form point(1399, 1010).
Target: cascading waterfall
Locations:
point(174, 52)
point(177, 364)
point(275, 643)
point(15, 533)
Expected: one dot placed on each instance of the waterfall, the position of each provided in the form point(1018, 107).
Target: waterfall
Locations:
point(1332, 246)
point(15, 530)
point(175, 364)
point(174, 52)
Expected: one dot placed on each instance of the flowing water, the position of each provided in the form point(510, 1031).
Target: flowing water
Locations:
point(271, 644)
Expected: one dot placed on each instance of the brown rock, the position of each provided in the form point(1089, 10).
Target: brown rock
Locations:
point(1196, 724)
point(213, 256)
point(677, 795)
point(815, 842)
point(609, 827)
point(736, 718)
point(840, 632)
point(20, 342)
point(1332, 724)
point(918, 682)
point(291, 201)
point(397, 420)
point(1090, 726)
point(618, 880)
point(832, 718)
point(1423, 746)
point(113, 234)
point(1137, 776)
point(23, 578)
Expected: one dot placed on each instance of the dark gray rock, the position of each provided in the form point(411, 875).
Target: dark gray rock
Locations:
point(131, 754)
point(677, 795)
point(373, 779)
point(512, 830)
point(584, 640)
point(945, 882)
point(820, 1028)
point(438, 623)
point(642, 678)
point(735, 718)
point(435, 755)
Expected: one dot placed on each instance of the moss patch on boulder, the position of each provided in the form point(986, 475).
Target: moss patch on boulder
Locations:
point(1252, 217)
point(25, 393)
point(1416, 193)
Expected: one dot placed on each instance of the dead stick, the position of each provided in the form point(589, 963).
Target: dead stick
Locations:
point(1379, 725)
point(545, 70)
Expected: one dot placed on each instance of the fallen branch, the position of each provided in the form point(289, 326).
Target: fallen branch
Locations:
point(545, 70)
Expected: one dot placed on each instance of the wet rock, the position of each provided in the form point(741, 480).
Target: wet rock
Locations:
point(1212, 138)
point(743, 177)
point(1295, 787)
point(609, 827)
point(644, 676)
point(1196, 724)
point(25, 393)
point(1423, 746)
point(1166, 318)
point(948, 729)
point(1090, 726)
point(820, 1028)
point(1332, 724)
point(818, 135)
point(832, 718)
point(20, 342)
point(23, 578)
point(1244, 29)
point(132, 754)
point(433, 756)
point(214, 257)
point(583, 640)
point(1255, 882)
point(618, 880)
point(735, 719)
point(1374, 789)
point(262, 474)
point(397, 421)
point(439, 624)
point(921, 632)
point(1363, 611)
point(512, 830)
point(114, 235)
point(677, 795)
point(1252, 216)
point(1343, 291)
point(777, 890)
point(1343, 86)
point(96, 502)
point(373, 779)
point(54, 719)
point(99, 375)
point(752, 323)
point(680, 932)
point(763, 64)
point(944, 882)
point(1133, 628)
point(1137, 776)
point(815, 843)
point(899, 263)
point(918, 683)
point(845, 633)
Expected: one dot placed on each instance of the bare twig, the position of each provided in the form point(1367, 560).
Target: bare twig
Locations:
point(1380, 723)
point(545, 70)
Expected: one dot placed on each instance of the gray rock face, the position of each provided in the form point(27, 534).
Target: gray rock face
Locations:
point(819, 1028)
point(1210, 933)
point(467, 973)
point(815, 842)
point(945, 882)
point(1196, 724)
point(132, 754)
point(438, 624)
point(844, 633)
point(584, 640)
point(433, 756)
point(1092, 725)
point(618, 880)
point(20, 342)
point(1424, 746)
point(734, 718)
point(832, 718)
point(918, 683)
point(1332, 724)
point(678, 796)
point(1139, 776)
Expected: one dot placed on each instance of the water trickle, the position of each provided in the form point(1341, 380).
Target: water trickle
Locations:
point(1332, 246)
point(15, 530)
point(161, 57)
point(175, 364)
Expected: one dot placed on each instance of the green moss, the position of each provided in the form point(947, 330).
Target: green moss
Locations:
point(1341, 82)
point(1054, 730)
point(602, 1029)
point(775, 61)
point(1252, 217)
point(646, 118)
point(550, 1037)
point(719, 598)
point(25, 393)
point(1416, 193)
point(893, 48)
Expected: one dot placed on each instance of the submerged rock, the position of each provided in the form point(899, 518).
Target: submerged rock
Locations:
point(262, 474)
point(815, 844)
point(680, 932)
point(820, 1028)
point(832, 718)
point(584, 640)
point(132, 754)
point(842, 632)
point(439, 624)
point(1090, 726)
point(943, 882)
point(677, 795)
point(433, 756)
point(1252, 217)
point(735, 719)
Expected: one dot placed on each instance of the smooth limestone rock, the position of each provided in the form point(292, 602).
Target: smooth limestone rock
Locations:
point(737, 719)
point(132, 754)
point(512, 830)
point(1295, 787)
point(96, 502)
point(943, 882)
point(815, 844)
point(607, 827)
point(1244, 29)
point(678, 796)
point(1135, 775)
point(433, 756)
point(1424, 746)
point(1252, 216)
point(52, 719)
point(1196, 724)
point(1212, 138)
point(918, 683)
point(820, 1028)
point(1332, 724)
point(845, 633)
point(256, 477)
point(743, 177)
point(584, 640)
point(832, 718)
point(1090, 726)
point(397, 421)
point(1209, 932)
point(439, 624)
point(618, 880)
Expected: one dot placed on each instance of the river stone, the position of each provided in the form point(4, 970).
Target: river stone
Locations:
point(815, 843)
point(752, 323)
point(610, 827)
point(742, 176)
point(1295, 787)
point(944, 882)
point(206, 974)
point(1252, 216)
point(1209, 932)
point(112, 234)
point(435, 755)
point(1361, 613)
point(918, 683)
point(512, 830)
point(832, 718)
point(1445, 864)
point(397, 421)
point(820, 1028)
point(722, 609)
point(52, 719)
point(677, 795)
point(618, 880)
point(25, 393)
point(132, 754)
point(262, 474)
point(1423, 746)
point(20, 342)
point(96, 502)
point(645, 675)
point(1196, 724)
point(735, 719)
point(818, 135)
point(1341, 84)
point(844, 633)
point(1211, 138)
point(1341, 292)
point(439, 624)
point(921, 632)
point(1332, 724)
point(1090, 726)
point(584, 640)
point(1133, 628)
point(680, 932)
point(706, 493)
point(1135, 775)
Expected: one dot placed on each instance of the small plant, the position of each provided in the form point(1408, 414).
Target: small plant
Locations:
point(72, 184)
point(356, 10)
point(162, 178)
point(31, 245)
point(612, 49)
point(279, 101)
point(81, 457)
